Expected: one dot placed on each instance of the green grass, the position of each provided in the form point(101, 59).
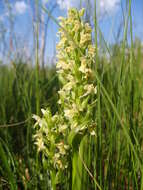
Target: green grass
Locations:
point(17, 104)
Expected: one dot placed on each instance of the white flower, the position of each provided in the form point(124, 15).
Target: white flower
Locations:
point(39, 142)
point(90, 89)
point(69, 86)
point(61, 148)
point(63, 65)
point(70, 113)
point(62, 128)
point(83, 68)
point(59, 101)
point(43, 111)
point(62, 93)
point(55, 118)
point(93, 133)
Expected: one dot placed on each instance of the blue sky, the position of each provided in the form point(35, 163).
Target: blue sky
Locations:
point(109, 24)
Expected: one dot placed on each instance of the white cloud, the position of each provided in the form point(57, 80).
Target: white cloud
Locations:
point(103, 6)
point(64, 4)
point(107, 6)
point(44, 1)
point(20, 7)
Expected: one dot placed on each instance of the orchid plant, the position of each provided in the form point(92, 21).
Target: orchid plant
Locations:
point(55, 134)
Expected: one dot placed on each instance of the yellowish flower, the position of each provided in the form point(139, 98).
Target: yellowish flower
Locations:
point(74, 125)
point(62, 128)
point(60, 165)
point(69, 85)
point(85, 38)
point(91, 50)
point(84, 69)
point(63, 65)
point(62, 93)
point(70, 113)
point(55, 118)
point(83, 60)
point(69, 49)
point(59, 101)
point(88, 28)
point(93, 133)
point(61, 44)
point(90, 89)
point(77, 26)
point(72, 13)
point(61, 148)
point(60, 56)
point(39, 142)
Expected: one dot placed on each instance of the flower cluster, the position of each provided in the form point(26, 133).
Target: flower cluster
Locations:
point(75, 61)
point(50, 140)
point(77, 97)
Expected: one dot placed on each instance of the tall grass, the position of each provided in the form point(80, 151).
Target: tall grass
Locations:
point(17, 104)
point(117, 156)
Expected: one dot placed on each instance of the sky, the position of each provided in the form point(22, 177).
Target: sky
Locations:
point(109, 13)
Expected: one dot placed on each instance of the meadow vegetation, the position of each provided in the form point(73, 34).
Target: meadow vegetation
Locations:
point(88, 132)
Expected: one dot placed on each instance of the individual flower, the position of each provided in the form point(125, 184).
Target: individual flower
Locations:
point(90, 89)
point(85, 38)
point(88, 28)
point(70, 113)
point(91, 51)
point(39, 142)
